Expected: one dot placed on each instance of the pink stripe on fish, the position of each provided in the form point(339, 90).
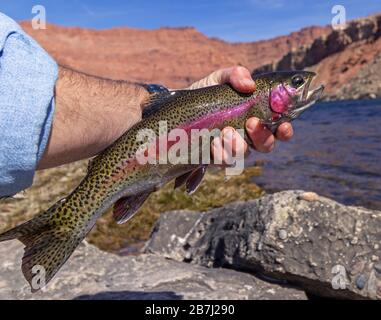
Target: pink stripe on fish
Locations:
point(214, 119)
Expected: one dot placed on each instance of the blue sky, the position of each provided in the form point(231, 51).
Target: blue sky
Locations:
point(231, 20)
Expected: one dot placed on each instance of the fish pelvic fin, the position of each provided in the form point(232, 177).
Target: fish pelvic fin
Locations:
point(48, 245)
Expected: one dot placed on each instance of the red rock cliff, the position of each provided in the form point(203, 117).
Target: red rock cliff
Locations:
point(178, 56)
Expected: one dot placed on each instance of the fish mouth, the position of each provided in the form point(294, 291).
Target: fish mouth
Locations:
point(306, 100)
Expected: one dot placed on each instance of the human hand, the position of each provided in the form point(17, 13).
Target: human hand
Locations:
point(262, 138)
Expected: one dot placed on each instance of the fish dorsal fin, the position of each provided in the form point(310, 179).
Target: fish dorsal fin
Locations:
point(90, 164)
point(157, 100)
point(126, 207)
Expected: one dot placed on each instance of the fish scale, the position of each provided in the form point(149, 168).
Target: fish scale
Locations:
point(115, 176)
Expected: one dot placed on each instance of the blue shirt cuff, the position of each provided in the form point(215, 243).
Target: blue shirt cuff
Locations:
point(27, 78)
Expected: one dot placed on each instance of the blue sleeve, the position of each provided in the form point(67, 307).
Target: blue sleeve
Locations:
point(27, 78)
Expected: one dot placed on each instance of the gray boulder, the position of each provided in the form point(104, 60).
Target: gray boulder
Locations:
point(295, 237)
point(94, 274)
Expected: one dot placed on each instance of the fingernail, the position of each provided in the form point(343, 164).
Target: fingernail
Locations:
point(252, 123)
point(228, 134)
point(288, 131)
point(247, 83)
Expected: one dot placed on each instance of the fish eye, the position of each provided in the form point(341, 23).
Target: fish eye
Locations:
point(297, 81)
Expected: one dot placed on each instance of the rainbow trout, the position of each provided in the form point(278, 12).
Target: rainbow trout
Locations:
point(116, 177)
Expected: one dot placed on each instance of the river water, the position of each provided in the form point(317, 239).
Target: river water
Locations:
point(336, 152)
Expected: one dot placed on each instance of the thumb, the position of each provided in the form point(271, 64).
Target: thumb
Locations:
point(240, 78)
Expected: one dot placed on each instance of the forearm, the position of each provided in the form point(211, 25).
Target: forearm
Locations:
point(90, 114)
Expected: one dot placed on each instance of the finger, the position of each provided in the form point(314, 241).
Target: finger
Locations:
point(262, 138)
point(211, 80)
point(240, 146)
point(218, 151)
point(233, 144)
point(284, 132)
point(239, 77)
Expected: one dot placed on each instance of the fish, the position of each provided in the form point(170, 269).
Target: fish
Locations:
point(115, 177)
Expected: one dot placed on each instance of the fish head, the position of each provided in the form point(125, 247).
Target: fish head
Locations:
point(289, 94)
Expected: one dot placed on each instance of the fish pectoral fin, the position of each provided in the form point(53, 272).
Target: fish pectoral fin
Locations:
point(191, 179)
point(126, 207)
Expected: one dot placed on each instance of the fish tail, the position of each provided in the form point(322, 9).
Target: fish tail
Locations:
point(50, 238)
